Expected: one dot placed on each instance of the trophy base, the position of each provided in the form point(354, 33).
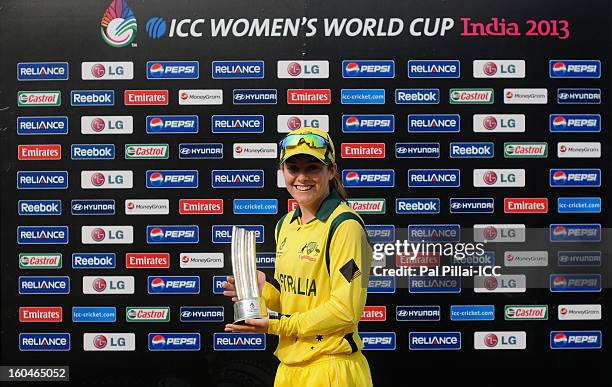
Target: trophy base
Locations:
point(246, 309)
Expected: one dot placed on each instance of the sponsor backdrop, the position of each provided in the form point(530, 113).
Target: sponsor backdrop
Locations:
point(135, 134)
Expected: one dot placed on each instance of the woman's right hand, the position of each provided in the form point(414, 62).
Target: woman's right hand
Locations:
point(230, 285)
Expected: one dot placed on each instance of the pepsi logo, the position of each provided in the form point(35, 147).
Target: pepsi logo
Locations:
point(156, 123)
point(294, 69)
point(490, 68)
point(158, 283)
point(97, 125)
point(490, 123)
point(156, 68)
point(99, 284)
point(560, 339)
point(157, 234)
point(352, 176)
point(491, 340)
point(559, 68)
point(559, 231)
point(559, 121)
point(559, 176)
point(560, 282)
point(352, 68)
point(98, 234)
point(352, 122)
point(294, 123)
point(100, 341)
point(98, 179)
point(490, 177)
point(156, 179)
point(98, 70)
point(158, 340)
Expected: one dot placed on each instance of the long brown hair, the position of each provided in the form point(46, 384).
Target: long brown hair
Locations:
point(336, 183)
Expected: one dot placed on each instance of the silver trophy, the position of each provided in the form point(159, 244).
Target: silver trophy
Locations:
point(245, 275)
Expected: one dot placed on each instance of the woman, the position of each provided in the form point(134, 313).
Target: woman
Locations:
point(322, 265)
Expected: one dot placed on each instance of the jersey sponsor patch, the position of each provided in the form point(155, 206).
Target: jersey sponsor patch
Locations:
point(350, 270)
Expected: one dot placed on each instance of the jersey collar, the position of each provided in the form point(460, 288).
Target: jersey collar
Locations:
point(327, 207)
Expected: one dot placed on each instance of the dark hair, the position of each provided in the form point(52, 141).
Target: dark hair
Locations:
point(336, 183)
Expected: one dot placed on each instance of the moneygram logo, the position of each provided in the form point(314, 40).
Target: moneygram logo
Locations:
point(525, 96)
point(118, 26)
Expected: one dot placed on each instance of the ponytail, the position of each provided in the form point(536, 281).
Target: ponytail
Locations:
point(336, 184)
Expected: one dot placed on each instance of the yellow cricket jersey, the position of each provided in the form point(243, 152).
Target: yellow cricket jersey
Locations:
point(320, 282)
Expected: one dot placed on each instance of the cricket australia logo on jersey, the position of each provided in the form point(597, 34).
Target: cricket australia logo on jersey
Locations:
point(309, 252)
point(280, 247)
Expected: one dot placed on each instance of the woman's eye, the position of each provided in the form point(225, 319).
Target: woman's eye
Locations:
point(314, 169)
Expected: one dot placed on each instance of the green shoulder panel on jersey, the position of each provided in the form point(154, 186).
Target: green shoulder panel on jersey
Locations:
point(334, 225)
point(279, 224)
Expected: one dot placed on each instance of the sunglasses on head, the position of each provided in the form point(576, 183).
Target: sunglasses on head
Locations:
point(311, 139)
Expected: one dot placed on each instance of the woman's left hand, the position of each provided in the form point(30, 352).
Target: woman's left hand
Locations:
point(256, 325)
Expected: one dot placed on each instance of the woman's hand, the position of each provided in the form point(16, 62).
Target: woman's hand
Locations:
point(230, 285)
point(257, 325)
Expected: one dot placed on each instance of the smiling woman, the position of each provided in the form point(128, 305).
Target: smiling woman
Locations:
point(323, 260)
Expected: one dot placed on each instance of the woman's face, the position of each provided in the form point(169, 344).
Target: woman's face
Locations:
point(307, 178)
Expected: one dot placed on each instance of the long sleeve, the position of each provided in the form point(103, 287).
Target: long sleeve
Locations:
point(271, 290)
point(271, 295)
point(350, 258)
